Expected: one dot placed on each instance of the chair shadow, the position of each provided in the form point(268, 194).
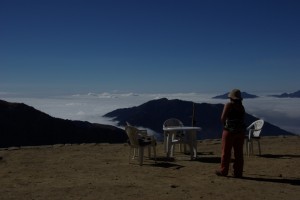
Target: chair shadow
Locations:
point(283, 156)
point(205, 153)
point(274, 180)
point(207, 157)
point(165, 162)
point(167, 165)
point(165, 159)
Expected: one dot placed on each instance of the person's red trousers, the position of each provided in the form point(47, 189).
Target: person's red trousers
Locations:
point(235, 141)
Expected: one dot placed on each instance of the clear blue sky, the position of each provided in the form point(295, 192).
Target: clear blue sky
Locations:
point(60, 46)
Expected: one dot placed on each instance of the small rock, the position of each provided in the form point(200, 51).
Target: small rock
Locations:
point(174, 186)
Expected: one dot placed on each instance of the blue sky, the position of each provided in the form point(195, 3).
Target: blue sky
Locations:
point(60, 46)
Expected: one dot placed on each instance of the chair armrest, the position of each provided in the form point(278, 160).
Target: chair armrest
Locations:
point(252, 128)
point(142, 130)
point(142, 133)
point(249, 128)
point(257, 129)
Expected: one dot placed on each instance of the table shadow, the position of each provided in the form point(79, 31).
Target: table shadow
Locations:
point(208, 159)
point(167, 165)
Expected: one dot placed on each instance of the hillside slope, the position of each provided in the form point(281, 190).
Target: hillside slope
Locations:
point(153, 114)
point(23, 125)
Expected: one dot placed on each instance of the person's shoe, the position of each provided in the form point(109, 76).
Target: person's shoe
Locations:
point(219, 173)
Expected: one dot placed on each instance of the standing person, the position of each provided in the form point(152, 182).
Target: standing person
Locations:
point(233, 134)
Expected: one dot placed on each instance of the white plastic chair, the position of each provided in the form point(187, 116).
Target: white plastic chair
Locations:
point(138, 140)
point(177, 138)
point(254, 131)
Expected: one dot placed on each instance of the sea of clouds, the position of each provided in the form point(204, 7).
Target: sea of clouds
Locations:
point(282, 112)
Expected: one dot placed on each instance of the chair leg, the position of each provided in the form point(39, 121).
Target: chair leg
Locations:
point(184, 148)
point(259, 147)
point(250, 147)
point(246, 147)
point(135, 153)
point(129, 158)
point(141, 155)
point(166, 142)
point(154, 153)
point(149, 151)
point(170, 152)
point(172, 149)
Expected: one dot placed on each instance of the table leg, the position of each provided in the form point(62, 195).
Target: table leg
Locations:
point(193, 144)
point(169, 145)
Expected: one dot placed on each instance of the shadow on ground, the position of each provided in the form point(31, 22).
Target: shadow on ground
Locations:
point(274, 180)
point(167, 165)
point(208, 159)
point(283, 156)
point(165, 162)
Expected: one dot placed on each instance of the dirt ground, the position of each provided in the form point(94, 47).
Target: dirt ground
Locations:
point(103, 171)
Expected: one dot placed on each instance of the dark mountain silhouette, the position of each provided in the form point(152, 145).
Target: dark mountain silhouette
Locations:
point(22, 125)
point(245, 95)
point(153, 114)
point(288, 95)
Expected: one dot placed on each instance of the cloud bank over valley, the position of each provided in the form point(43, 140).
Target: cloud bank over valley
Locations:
point(91, 107)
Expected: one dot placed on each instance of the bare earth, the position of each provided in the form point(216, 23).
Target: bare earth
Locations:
point(102, 171)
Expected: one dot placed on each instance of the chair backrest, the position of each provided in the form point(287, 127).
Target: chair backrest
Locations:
point(256, 128)
point(172, 122)
point(132, 134)
point(128, 124)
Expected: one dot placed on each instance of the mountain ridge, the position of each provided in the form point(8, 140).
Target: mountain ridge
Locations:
point(23, 125)
point(152, 115)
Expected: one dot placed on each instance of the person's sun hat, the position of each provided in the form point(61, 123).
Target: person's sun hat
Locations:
point(235, 94)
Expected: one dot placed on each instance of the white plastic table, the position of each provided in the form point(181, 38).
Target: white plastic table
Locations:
point(190, 138)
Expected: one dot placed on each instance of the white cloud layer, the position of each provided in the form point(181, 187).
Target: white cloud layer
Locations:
point(282, 112)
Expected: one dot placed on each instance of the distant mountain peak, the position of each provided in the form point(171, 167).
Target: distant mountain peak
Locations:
point(245, 95)
point(288, 95)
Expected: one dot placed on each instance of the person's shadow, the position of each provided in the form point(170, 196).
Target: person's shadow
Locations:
point(274, 180)
point(292, 181)
point(282, 156)
point(207, 157)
